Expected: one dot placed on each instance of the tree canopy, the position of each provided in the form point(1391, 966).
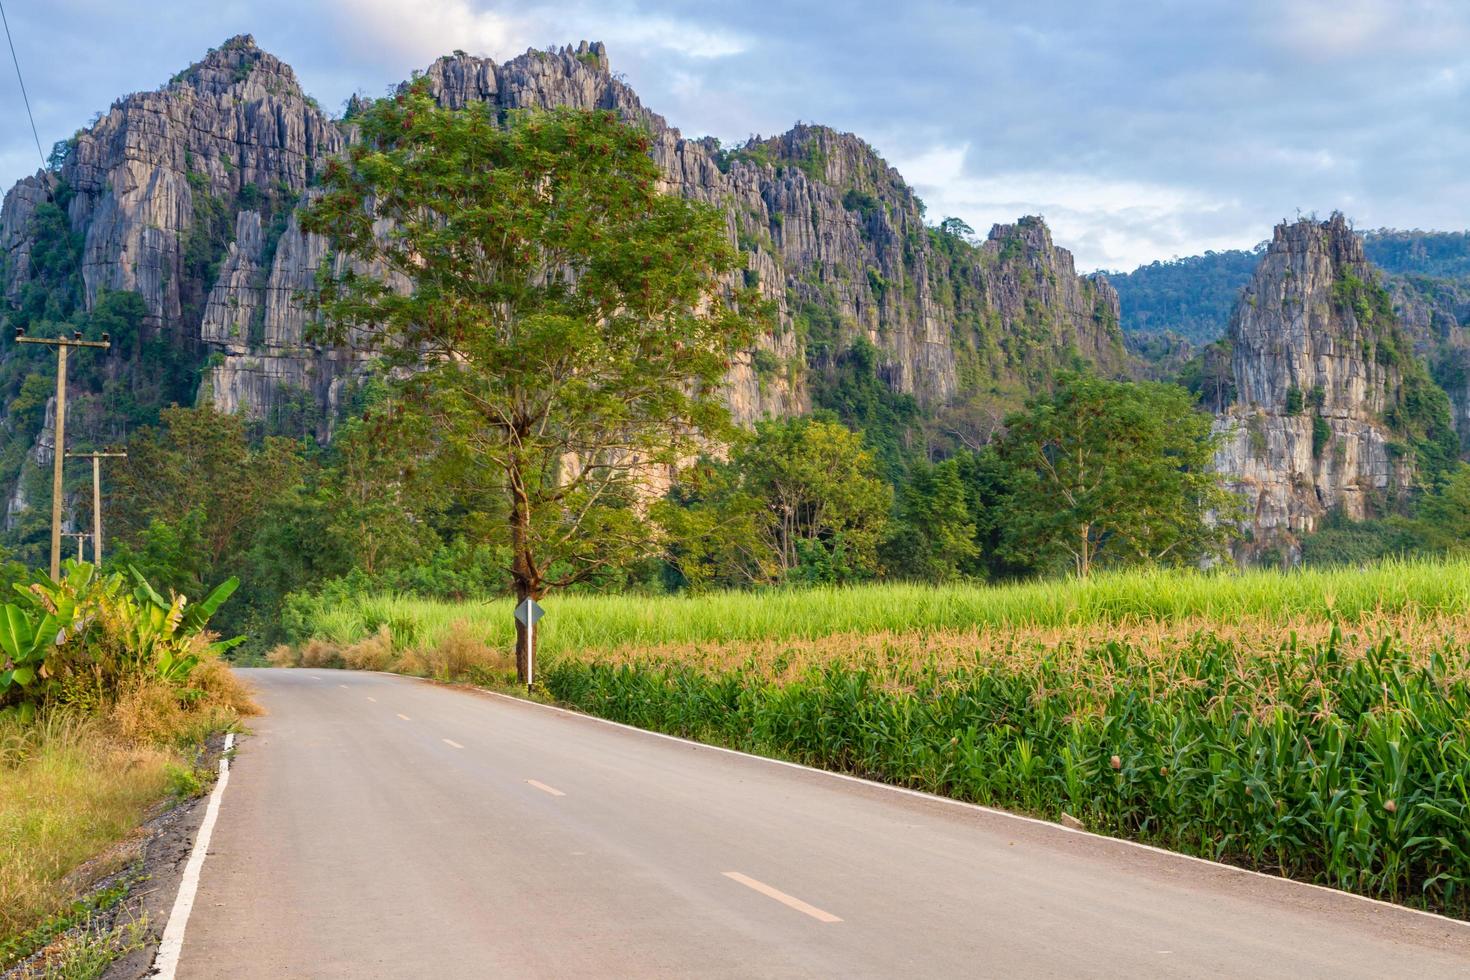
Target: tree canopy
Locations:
point(567, 322)
point(1113, 471)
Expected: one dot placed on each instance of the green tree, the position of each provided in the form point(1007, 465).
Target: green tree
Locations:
point(799, 500)
point(1113, 471)
point(569, 323)
point(196, 483)
point(936, 531)
point(1444, 516)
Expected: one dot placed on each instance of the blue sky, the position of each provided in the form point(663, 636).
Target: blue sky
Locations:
point(1141, 130)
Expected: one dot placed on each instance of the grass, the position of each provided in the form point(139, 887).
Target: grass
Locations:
point(76, 782)
point(66, 793)
point(577, 623)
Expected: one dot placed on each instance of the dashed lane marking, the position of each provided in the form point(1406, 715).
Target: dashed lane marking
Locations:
point(544, 788)
point(452, 743)
point(780, 896)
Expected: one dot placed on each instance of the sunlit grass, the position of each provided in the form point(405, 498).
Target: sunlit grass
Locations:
point(595, 622)
point(67, 791)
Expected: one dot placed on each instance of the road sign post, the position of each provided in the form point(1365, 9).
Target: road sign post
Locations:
point(527, 613)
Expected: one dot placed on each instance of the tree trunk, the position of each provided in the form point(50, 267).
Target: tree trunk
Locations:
point(523, 573)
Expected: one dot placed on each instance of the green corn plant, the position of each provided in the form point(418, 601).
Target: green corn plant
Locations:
point(1349, 768)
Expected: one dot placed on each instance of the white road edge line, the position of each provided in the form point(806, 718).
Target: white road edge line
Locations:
point(933, 798)
point(452, 743)
point(544, 788)
point(166, 960)
point(780, 896)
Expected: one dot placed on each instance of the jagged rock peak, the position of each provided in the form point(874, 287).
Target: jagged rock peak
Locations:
point(1297, 329)
point(576, 76)
point(238, 67)
point(840, 159)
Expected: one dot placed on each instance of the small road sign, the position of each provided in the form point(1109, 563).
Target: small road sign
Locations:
point(528, 612)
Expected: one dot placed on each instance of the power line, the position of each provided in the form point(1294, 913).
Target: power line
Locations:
point(24, 97)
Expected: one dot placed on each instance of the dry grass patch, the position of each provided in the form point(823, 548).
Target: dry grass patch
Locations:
point(459, 655)
point(74, 783)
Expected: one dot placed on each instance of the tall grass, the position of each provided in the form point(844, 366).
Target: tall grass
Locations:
point(75, 781)
point(586, 622)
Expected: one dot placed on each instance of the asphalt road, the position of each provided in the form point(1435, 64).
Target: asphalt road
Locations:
point(378, 826)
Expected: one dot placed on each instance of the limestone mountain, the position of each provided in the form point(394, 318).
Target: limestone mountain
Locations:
point(174, 219)
point(1333, 409)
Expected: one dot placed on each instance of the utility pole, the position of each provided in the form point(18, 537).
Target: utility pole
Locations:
point(97, 459)
point(80, 536)
point(62, 345)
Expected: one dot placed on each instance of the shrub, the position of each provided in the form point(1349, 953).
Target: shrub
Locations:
point(320, 653)
point(283, 655)
point(373, 653)
point(84, 639)
point(460, 655)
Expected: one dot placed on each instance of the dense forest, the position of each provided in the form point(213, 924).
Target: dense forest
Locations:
point(1192, 297)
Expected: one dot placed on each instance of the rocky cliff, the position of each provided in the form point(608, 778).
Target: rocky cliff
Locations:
point(1333, 409)
point(188, 197)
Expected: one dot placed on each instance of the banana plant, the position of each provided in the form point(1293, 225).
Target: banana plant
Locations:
point(23, 646)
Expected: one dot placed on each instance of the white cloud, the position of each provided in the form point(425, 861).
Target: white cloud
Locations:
point(421, 30)
point(1108, 223)
point(1322, 30)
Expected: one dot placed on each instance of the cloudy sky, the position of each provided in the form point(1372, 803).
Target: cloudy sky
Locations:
point(1141, 129)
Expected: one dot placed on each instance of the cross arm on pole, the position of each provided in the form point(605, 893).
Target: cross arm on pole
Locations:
point(75, 340)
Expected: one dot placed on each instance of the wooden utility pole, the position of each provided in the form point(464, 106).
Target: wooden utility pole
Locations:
point(62, 345)
point(97, 459)
point(80, 536)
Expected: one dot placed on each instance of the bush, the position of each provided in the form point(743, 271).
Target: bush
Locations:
point(373, 653)
point(283, 655)
point(461, 655)
point(320, 653)
point(85, 640)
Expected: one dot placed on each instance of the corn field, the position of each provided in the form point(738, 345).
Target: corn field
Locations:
point(1342, 767)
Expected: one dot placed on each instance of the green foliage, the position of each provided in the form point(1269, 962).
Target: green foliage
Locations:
point(1444, 516)
point(1210, 376)
point(799, 501)
point(204, 246)
point(1321, 436)
point(862, 202)
point(78, 640)
point(852, 389)
point(1112, 471)
point(1294, 400)
point(1348, 773)
point(1192, 297)
point(1441, 254)
point(1343, 542)
point(562, 308)
point(935, 531)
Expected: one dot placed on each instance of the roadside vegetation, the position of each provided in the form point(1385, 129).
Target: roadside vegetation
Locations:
point(1395, 591)
point(108, 693)
point(1314, 724)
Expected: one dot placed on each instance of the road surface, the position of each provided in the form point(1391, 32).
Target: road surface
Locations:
point(380, 826)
